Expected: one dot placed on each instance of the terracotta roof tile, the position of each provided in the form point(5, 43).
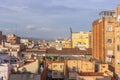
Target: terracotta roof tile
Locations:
point(69, 51)
point(91, 74)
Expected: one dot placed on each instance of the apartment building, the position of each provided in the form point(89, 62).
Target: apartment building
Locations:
point(92, 76)
point(103, 36)
point(11, 49)
point(80, 66)
point(12, 38)
point(56, 70)
point(31, 66)
point(67, 53)
point(60, 43)
point(117, 51)
point(31, 53)
point(5, 71)
point(28, 43)
point(87, 70)
point(106, 32)
point(81, 40)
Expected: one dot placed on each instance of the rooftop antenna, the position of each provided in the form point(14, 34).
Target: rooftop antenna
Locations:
point(16, 29)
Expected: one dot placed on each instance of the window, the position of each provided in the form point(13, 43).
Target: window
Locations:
point(54, 66)
point(118, 62)
point(118, 35)
point(74, 68)
point(103, 66)
point(118, 47)
point(61, 66)
point(81, 37)
point(109, 56)
point(109, 41)
point(110, 52)
point(55, 73)
point(61, 74)
point(109, 28)
point(119, 18)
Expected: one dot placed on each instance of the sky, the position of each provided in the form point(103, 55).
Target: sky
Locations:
point(50, 19)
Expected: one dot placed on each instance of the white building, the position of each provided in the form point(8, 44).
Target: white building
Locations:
point(5, 70)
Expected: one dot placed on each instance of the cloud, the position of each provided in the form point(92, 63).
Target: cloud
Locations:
point(53, 16)
point(98, 0)
point(13, 7)
point(30, 27)
point(44, 29)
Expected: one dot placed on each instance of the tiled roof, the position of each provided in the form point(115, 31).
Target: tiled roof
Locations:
point(26, 63)
point(69, 51)
point(91, 74)
point(34, 51)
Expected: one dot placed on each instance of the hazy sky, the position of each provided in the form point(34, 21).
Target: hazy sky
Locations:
point(50, 19)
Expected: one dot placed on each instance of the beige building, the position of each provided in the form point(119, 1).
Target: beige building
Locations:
point(103, 36)
point(106, 38)
point(103, 68)
point(5, 71)
point(12, 38)
point(79, 70)
point(56, 70)
point(117, 51)
point(31, 66)
point(94, 76)
point(28, 43)
point(80, 66)
point(25, 77)
point(11, 49)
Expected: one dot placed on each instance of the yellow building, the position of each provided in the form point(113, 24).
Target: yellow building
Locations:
point(61, 43)
point(67, 43)
point(81, 40)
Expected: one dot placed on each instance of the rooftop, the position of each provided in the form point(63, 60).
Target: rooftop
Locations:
point(34, 51)
point(91, 74)
point(69, 51)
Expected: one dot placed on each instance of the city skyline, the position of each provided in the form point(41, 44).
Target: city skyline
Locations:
point(49, 18)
